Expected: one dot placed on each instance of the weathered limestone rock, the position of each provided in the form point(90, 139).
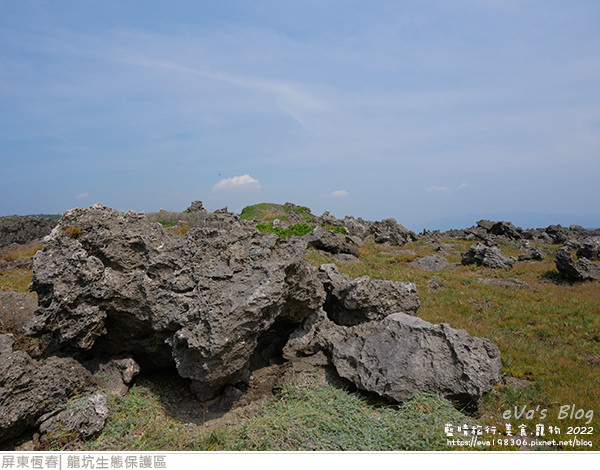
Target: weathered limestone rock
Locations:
point(391, 232)
point(16, 309)
point(506, 229)
point(330, 241)
point(402, 355)
point(225, 300)
point(489, 256)
point(581, 270)
point(590, 248)
point(196, 206)
point(112, 283)
point(386, 231)
point(431, 263)
point(113, 375)
point(18, 229)
point(353, 301)
point(532, 253)
point(86, 416)
point(29, 388)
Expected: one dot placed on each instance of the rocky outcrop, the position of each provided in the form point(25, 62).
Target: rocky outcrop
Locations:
point(387, 231)
point(402, 355)
point(120, 294)
point(532, 252)
point(581, 269)
point(503, 232)
point(112, 283)
point(30, 388)
point(114, 375)
point(353, 301)
point(20, 230)
point(85, 416)
point(589, 248)
point(331, 242)
point(489, 256)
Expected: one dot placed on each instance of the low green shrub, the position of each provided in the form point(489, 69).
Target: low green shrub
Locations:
point(292, 230)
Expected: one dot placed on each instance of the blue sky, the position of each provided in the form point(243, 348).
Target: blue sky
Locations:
point(416, 110)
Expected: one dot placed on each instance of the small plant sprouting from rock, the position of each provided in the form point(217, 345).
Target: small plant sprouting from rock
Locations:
point(73, 231)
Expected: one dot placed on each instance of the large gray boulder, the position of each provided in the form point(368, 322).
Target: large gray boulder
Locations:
point(402, 355)
point(114, 284)
point(506, 229)
point(489, 256)
point(353, 301)
point(390, 232)
point(581, 269)
point(589, 248)
point(30, 388)
point(331, 242)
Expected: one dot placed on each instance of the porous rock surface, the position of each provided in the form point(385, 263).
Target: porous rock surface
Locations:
point(403, 355)
point(489, 256)
point(85, 416)
point(581, 269)
point(30, 387)
point(387, 231)
point(112, 283)
point(22, 229)
point(352, 301)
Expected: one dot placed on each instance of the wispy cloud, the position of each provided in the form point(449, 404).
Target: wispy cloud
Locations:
point(338, 193)
point(84, 195)
point(237, 182)
point(442, 189)
point(445, 189)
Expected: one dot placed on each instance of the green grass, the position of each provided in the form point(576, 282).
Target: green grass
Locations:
point(547, 334)
point(324, 418)
point(304, 416)
point(292, 230)
point(267, 212)
point(264, 211)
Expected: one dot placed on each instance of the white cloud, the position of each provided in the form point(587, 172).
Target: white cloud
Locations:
point(443, 189)
point(462, 186)
point(82, 195)
point(237, 182)
point(338, 193)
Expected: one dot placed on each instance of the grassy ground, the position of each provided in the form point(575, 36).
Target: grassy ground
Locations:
point(306, 415)
point(548, 334)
